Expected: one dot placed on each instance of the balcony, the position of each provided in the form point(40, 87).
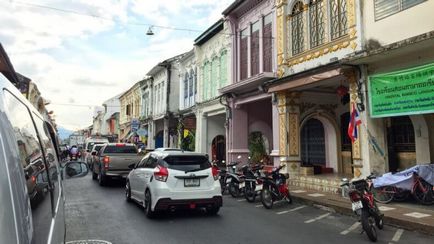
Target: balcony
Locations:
point(249, 84)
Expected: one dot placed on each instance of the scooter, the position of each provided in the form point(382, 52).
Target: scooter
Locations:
point(364, 206)
point(275, 188)
point(253, 181)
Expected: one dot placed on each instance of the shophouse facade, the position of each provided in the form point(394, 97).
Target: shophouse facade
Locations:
point(252, 61)
point(130, 102)
point(110, 122)
point(165, 90)
point(315, 90)
point(187, 101)
point(212, 53)
point(397, 129)
point(145, 130)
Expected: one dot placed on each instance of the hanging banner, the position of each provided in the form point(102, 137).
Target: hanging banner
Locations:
point(405, 92)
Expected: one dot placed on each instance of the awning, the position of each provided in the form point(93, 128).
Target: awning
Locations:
point(306, 80)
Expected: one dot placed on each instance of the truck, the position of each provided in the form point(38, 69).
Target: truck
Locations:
point(113, 161)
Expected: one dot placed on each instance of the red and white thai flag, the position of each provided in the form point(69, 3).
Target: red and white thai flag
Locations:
point(354, 122)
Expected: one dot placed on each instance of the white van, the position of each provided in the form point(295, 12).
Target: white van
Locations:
point(88, 145)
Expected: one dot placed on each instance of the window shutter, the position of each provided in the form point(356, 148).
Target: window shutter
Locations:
point(268, 47)
point(254, 48)
point(243, 57)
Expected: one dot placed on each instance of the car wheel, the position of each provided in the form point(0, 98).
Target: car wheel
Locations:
point(128, 192)
point(213, 210)
point(102, 179)
point(147, 205)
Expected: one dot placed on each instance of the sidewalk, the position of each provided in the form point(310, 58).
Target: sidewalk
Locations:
point(408, 217)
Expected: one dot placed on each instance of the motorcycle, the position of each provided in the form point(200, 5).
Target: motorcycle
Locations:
point(275, 188)
point(253, 181)
point(364, 206)
point(75, 156)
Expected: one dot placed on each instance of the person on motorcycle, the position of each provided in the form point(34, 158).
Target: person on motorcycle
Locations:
point(73, 151)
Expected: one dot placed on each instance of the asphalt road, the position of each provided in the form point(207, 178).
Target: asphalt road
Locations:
point(101, 213)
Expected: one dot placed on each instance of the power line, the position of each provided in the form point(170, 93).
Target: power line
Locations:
point(82, 105)
point(128, 23)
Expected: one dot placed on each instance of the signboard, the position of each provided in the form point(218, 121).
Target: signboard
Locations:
point(135, 124)
point(405, 92)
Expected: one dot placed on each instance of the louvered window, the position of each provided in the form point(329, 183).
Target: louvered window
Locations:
point(338, 17)
point(316, 17)
point(223, 69)
point(243, 55)
point(268, 43)
point(254, 48)
point(384, 8)
point(297, 28)
point(186, 85)
point(190, 83)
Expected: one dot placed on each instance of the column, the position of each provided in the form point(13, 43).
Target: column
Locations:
point(275, 153)
point(166, 132)
point(201, 132)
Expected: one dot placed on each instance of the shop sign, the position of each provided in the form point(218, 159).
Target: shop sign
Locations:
point(404, 92)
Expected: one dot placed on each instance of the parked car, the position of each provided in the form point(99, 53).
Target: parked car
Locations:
point(94, 155)
point(169, 180)
point(31, 190)
point(112, 161)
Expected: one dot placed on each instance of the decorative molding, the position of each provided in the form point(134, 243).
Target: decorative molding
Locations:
point(294, 133)
point(282, 134)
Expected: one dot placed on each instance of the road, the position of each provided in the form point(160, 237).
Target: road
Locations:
point(101, 213)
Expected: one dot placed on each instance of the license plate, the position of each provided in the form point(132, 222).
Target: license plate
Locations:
point(241, 185)
point(357, 205)
point(258, 187)
point(191, 182)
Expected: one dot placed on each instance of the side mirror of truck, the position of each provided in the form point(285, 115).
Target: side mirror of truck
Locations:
point(131, 166)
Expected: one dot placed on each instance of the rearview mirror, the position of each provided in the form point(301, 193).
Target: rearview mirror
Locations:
point(75, 169)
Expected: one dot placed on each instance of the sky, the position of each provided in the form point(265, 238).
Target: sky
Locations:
point(81, 53)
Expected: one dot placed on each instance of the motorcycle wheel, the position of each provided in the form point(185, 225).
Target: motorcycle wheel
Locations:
point(368, 226)
point(424, 193)
point(266, 197)
point(222, 185)
point(234, 189)
point(288, 198)
point(249, 192)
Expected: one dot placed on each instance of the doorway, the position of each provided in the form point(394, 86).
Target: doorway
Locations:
point(218, 149)
point(313, 144)
point(401, 144)
point(159, 139)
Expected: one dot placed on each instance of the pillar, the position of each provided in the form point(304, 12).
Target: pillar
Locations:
point(275, 153)
point(166, 132)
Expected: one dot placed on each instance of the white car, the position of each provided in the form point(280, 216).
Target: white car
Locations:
point(170, 180)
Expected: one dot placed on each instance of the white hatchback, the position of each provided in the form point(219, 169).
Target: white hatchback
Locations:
point(170, 180)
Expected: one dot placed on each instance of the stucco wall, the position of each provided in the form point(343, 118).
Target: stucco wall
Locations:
point(411, 22)
point(260, 119)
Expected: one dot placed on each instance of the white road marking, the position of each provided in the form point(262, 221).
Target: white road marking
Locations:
point(317, 218)
point(384, 208)
point(397, 235)
point(417, 215)
point(353, 227)
point(291, 210)
point(316, 195)
point(241, 200)
point(258, 206)
point(297, 191)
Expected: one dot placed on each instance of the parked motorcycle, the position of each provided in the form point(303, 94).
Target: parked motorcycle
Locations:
point(253, 181)
point(364, 206)
point(275, 188)
point(231, 180)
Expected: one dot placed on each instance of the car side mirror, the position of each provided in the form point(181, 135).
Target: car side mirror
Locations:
point(75, 169)
point(131, 166)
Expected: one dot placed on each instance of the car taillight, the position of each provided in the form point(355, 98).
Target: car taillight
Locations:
point(354, 196)
point(215, 172)
point(106, 161)
point(161, 173)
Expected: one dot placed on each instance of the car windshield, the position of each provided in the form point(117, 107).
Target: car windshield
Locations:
point(120, 149)
point(187, 163)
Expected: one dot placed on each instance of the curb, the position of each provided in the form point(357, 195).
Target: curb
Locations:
point(388, 220)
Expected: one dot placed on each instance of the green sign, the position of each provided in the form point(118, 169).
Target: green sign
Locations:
point(403, 92)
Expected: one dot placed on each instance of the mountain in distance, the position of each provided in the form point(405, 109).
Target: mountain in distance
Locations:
point(63, 132)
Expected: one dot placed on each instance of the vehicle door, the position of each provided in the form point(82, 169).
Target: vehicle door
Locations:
point(134, 177)
point(36, 218)
point(148, 172)
point(98, 160)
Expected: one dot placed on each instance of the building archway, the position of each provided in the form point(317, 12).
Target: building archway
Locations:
point(159, 139)
point(218, 149)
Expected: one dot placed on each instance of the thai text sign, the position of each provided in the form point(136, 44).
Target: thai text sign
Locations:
point(403, 92)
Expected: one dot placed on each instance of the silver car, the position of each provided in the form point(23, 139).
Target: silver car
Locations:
point(31, 191)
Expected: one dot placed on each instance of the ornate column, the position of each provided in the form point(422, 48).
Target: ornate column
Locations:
point(280, 35)
point(356, 149)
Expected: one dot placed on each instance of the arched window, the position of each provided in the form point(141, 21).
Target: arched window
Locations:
point(297, 28)
point(316, 17)
point(338, 18)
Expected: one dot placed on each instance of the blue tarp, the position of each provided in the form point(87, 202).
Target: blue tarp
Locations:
point(404, 179)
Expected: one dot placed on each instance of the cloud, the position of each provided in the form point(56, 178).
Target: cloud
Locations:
point(89, 82)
